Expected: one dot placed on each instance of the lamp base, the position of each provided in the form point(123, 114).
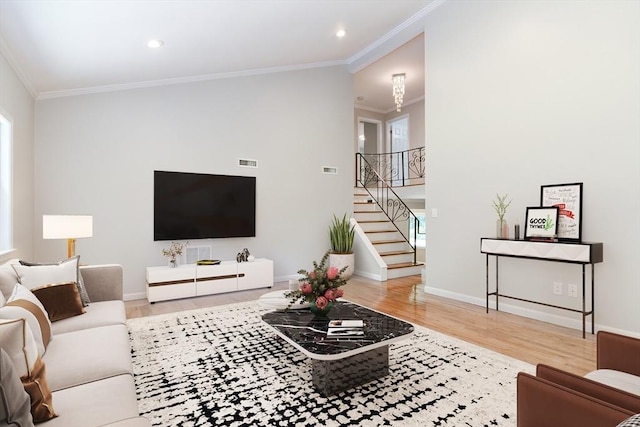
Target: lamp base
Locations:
point(71, 248)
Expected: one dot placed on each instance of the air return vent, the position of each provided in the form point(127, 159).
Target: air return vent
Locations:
point(248, 163)
point(331, 170)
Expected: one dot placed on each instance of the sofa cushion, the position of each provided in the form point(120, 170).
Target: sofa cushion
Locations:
point(80, 357)
point(103, 313)
point(616, 379)
point(17, 340)
point(47, 271)
point(61, 300)
point(130, 422)
point(96, 403)
point(23, 304)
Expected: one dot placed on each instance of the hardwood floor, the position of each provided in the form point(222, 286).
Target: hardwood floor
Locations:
point(529, 340)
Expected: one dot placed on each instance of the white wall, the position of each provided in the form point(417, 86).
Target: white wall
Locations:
point(95, 154)
point(523, 94)
point(17, 105)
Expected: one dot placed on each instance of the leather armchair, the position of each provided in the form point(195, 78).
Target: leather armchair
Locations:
point(556, 398)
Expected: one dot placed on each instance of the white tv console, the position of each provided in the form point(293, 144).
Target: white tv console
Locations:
point(192, 280)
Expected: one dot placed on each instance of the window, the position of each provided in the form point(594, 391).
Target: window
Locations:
point(6, 238)
point(420, 235)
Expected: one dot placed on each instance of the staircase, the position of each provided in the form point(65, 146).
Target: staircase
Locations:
point(385, 238)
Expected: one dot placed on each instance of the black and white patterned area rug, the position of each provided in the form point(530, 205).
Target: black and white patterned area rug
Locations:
point(221, 366)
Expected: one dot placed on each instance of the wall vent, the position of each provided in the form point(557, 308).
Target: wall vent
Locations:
point(194, 254)
point(331, 170)
point(248, 163)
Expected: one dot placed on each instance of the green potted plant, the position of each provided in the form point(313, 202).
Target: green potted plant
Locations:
point(341, 234)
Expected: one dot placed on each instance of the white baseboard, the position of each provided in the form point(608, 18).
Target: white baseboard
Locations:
point(134, 296)
point(367, 275)
point(527, 312)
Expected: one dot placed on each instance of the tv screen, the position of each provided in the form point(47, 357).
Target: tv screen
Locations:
point(203, 206)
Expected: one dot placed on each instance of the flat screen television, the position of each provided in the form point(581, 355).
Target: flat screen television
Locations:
point(203, 206)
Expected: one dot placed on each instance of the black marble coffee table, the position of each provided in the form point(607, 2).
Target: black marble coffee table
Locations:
point(339, 364)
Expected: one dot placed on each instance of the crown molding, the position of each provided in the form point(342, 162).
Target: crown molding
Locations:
point(6, 52)
point(183, 80)
point(392, 40)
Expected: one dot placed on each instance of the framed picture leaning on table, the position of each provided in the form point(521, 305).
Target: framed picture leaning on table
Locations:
point(568, 199)
point(541, 223)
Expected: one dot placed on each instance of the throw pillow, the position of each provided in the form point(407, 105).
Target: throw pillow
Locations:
point(61, 300)
point(50, 274)
point(14, 400)
point(2, 300)
point(16, 338)
point(633, 421)
point(24, 305)
point(8, 277)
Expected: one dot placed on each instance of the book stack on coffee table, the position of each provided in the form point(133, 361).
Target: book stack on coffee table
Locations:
point(345, 329)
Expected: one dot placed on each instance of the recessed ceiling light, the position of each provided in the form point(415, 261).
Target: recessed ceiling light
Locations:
point(341, 33)
point(154, 44)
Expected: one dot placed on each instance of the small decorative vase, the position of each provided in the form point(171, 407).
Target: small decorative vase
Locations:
point(320, 312)
point(173, 263)
point(502, 229)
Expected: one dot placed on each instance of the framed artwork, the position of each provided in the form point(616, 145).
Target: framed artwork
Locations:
point(568, 199)
point(541, 222)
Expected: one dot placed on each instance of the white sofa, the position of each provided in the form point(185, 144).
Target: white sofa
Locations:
point(88, 360)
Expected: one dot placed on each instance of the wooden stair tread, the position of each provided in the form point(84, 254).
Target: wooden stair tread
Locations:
point(381, 231)
point(382, 242)
point(404, 265)
point(373, 221)
point(367, 212)
point(391, 253)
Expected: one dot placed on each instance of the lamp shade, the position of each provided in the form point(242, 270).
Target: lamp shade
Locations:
point(67, 226)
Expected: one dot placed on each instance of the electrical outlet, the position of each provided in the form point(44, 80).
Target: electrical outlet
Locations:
point(557, 288)
point(572, 290)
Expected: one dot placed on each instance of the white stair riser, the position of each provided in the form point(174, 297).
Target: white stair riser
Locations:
point(389, 247)
point(371, 216)
point(397, 259)
point(387, 235)
point(394, 273)
point(379, 226)
point(370, 207)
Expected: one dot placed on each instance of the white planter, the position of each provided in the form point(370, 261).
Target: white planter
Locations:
point(340, 261)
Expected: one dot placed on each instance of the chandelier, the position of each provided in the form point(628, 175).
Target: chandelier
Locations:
point(398, 89)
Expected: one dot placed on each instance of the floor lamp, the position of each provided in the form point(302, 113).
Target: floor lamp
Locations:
point(70, 227)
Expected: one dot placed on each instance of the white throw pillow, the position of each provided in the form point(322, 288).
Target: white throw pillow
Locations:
point(32, 275)
point(17, 340)
point(38, 275)
point(24, 305)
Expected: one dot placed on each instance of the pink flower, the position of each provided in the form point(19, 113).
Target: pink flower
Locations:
point(305, 288)
point(330, 294)
point(339, 293)
point(332, 273)
point(312, 274)
point(321, 302)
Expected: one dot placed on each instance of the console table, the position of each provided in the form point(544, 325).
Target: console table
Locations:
point(191, 280)
point(573, 253)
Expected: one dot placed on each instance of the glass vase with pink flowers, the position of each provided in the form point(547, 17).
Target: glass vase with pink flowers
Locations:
point(319, 287)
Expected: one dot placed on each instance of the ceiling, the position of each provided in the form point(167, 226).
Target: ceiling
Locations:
point(63, 47)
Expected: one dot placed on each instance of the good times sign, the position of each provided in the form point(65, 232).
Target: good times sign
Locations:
point(541, 222)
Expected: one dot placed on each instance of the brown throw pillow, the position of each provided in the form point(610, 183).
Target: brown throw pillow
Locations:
point(61, 300)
